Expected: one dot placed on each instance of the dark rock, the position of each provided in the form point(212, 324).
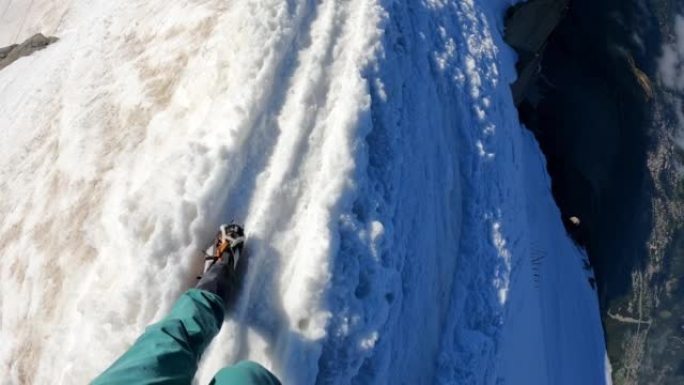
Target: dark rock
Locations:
point(528, 27)
point(6, 50)
point(15, 51)
point(641, 78)
point(528, 72)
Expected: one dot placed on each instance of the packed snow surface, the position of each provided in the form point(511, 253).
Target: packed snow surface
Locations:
point(400, 224)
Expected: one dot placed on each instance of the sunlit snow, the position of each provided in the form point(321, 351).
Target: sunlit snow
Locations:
point(399, 219)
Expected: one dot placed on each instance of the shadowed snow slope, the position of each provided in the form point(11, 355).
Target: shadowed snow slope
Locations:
point(400, 224)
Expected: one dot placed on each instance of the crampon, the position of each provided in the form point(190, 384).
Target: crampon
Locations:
point(227, 246)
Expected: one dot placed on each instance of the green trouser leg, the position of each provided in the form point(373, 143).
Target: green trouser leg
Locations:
point(168, 351)
point(244, 373)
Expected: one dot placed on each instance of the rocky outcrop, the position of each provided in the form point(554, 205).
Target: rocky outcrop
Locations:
point(15, 51)
point(528, 27)
point(641, 78)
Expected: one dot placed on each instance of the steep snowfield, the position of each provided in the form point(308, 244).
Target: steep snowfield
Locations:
point(401, 228)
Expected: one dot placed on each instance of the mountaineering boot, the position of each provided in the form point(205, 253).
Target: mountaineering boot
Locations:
point(222, 260)
point(229, 242)
point(227, 245)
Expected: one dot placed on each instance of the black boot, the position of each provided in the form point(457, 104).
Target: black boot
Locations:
point(224, 268)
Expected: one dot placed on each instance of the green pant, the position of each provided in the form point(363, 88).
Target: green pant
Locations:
point(168, 351)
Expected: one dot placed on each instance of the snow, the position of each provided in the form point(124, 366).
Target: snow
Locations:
point(396, 210)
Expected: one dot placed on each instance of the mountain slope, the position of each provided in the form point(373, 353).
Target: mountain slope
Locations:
point(395, 208)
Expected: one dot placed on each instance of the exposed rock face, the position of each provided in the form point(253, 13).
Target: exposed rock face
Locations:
point(528, 27)
point(641, 78)
point(13, 52)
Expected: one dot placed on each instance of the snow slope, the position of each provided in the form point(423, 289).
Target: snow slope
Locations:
point(401, 228)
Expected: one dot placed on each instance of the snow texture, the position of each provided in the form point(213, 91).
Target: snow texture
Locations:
point(399, 219)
